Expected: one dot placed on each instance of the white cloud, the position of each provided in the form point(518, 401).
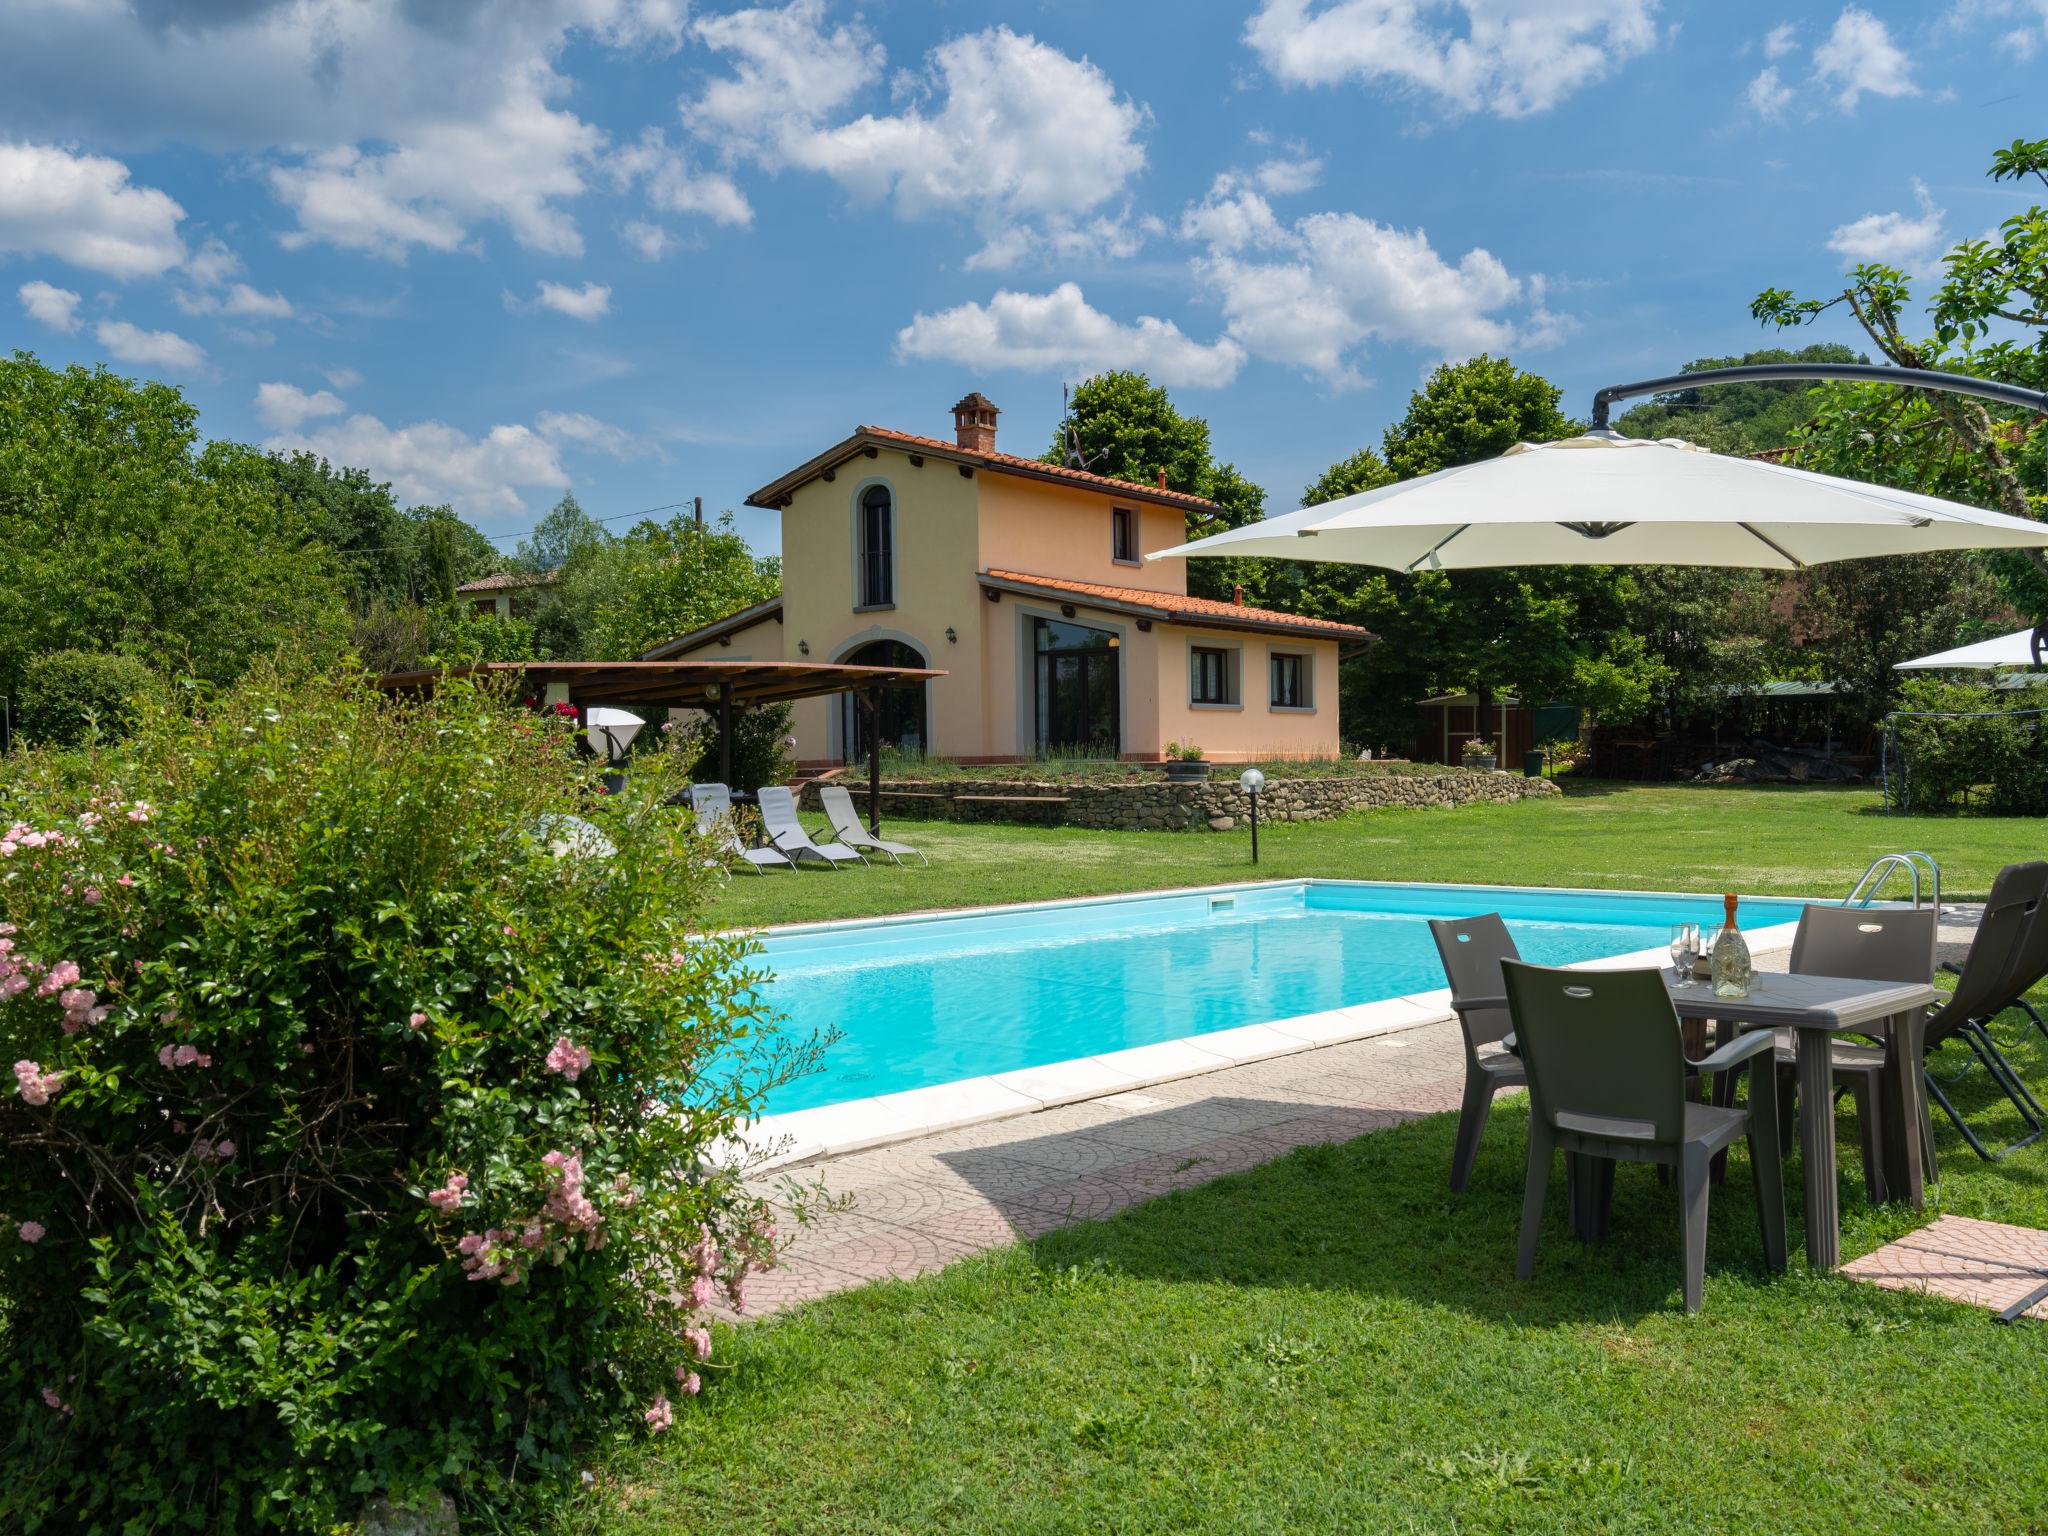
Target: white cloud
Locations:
point(1061, 332)
point(47, 304)
point(286, 407)
point(1780, 40)
point(432, 462)
point(1284, 178)
point(1313, 294)
point(1768, 95)
point(587, 431)
point(149, 349)
point(213, 263)
point(384, 125)
point(591, 302)
point(1910, 242)
point(650, 242)
point(342, 378)
point(1859, 57)
point(674, 185)
point(1032, 145)
point(238, 299)
point(83, 209)
point(1511, 57)
point(2025, 41)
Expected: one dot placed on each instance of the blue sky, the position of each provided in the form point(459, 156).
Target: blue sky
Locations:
point(496, 249)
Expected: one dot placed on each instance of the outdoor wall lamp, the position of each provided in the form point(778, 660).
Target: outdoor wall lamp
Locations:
point(1252, 781)
point(951, 637)
point(803, 647)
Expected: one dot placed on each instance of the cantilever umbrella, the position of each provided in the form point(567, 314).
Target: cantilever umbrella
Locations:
point(2021, 648)
point(1603, 499)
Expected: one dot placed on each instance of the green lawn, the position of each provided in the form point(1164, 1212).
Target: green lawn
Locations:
point(1769, 841)
point(1334, 1344)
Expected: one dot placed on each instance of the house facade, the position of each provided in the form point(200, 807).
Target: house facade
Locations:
point(1027, 584)
point(507, 594)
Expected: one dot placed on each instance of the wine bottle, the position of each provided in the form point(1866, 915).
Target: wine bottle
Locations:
point(1731, 967)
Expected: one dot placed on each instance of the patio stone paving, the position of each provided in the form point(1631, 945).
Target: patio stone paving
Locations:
point(1986, 1264)
point(918, 1205)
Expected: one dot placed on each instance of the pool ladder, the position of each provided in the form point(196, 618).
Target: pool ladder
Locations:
point(1912, 861)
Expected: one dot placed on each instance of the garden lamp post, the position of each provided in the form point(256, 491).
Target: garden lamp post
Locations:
point(1252, 781)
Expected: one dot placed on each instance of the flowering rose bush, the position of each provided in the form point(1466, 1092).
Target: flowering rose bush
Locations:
point(355, 1143)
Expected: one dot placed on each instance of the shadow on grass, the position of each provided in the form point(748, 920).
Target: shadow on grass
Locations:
point(1373, 1214)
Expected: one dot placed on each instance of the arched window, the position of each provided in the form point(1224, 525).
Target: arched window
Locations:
point(875, 549)
point(902, 710)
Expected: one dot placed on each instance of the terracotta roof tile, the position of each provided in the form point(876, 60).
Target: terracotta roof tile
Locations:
point(1037, 467)
point(1176, 605)
point(501, 581)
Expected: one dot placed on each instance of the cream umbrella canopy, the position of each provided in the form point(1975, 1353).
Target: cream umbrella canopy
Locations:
point(2021, 648)
point(1603, 499)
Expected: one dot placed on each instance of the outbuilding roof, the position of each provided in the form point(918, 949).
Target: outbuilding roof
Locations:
point(1174, 607)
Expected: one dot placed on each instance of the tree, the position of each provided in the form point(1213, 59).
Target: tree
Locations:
point(1949, 445)
point(1738, 419)
point(559, 537)
point(1550, 632)
point(123, 534)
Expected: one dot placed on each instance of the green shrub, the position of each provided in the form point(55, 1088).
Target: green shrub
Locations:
point(761, 746)
point(69, 697)
point(356, 1143)
point(1957, 744)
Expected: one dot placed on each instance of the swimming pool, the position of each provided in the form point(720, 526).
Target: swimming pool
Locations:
point(923, 1001)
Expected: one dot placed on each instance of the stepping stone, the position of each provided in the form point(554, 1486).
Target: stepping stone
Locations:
point(1988, 1264)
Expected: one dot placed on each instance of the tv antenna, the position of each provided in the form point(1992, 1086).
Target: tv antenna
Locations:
point(1076, 459)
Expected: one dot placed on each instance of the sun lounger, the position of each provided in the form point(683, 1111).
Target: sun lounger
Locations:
point(711, 804)
point(847, 827)
point(786, 833)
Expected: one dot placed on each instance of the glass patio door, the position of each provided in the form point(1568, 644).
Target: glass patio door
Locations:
point(1078, 686)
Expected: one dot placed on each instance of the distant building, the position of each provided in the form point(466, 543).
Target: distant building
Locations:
point(1027, 583)
point(508, 594)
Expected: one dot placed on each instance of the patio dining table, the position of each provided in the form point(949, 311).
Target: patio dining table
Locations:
point(1817, 1008)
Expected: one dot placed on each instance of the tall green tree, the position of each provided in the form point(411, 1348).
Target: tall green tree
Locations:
point(560, 537)
point(124, 533)
point(1123, 425)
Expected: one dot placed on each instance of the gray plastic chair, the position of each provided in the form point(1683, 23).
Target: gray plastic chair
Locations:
point(1472, 949)
point(1998, 951)
point(1607, 1081)
point(848, 829)
point(1872, 944)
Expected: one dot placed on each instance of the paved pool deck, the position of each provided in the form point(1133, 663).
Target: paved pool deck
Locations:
point(920, 1204)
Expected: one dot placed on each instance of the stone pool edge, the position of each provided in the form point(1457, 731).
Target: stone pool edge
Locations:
point(860, 1125)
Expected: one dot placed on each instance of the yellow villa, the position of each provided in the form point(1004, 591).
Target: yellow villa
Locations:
point(1027, 584)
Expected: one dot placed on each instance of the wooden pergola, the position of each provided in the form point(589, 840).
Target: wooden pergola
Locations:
point(712, 686)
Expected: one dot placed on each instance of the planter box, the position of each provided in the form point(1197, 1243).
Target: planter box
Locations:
point(1183, 772)
point(1484, 764)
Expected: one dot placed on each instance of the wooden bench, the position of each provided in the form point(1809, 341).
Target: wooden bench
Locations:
point(900, 794)
point(1014, 799)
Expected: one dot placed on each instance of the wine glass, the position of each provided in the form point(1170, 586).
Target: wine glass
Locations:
point(1685, 952)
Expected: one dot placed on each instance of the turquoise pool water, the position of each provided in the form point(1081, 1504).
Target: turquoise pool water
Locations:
point(932, 1000)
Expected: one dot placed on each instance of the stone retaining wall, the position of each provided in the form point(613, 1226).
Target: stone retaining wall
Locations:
point(1218, 805)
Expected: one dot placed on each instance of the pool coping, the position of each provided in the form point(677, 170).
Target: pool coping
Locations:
point(859, 1125)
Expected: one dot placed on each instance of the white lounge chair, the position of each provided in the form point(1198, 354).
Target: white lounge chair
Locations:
point(848, 828)
point(711, 804)
point(785, 832)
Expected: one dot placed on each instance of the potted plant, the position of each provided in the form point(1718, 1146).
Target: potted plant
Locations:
point(1478, 755)
point(1185, 763)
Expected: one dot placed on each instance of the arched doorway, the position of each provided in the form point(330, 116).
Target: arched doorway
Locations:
point(902, 710)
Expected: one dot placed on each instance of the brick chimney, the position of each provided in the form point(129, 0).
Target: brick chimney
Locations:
point(974, 423)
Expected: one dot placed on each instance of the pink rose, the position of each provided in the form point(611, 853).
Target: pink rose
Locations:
point(659, 1416)
point(689, 1381)
point(417, 1021)
point(568, 1058)
point(700, 1341)
point(31, 1231)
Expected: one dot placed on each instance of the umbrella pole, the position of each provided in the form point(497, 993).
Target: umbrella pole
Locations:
point(874, 714)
